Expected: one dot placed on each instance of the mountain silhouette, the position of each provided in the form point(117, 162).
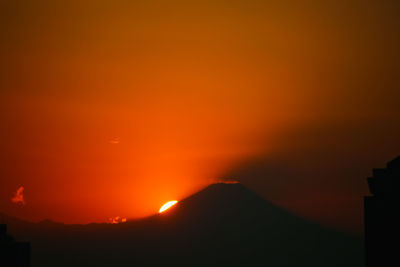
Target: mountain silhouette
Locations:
point(222, 225)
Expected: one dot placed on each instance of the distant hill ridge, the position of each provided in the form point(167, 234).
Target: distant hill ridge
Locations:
point(221, 225)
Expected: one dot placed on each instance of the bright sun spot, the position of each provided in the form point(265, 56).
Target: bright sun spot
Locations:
point(167, 205)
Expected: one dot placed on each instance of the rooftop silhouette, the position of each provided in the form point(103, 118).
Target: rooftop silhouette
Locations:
point(381, 215)
point(12, 253)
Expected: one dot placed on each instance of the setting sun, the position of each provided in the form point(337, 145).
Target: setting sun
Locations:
point(167, 205)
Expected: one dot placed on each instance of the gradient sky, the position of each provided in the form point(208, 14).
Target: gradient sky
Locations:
point(112, 108)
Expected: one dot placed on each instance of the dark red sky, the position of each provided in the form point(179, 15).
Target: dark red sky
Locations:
point(112, 108)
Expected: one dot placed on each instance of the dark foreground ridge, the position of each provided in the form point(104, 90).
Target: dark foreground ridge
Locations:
point(222, 225)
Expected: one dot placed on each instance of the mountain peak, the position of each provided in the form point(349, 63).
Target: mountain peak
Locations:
point(219, 201)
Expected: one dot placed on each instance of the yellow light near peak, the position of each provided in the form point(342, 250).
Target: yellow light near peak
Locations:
point(167, 205)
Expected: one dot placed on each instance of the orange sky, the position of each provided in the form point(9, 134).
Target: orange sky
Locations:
point(113, 108)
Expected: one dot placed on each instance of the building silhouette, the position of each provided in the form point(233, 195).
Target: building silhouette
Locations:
point(382, 221)
point(12, 253)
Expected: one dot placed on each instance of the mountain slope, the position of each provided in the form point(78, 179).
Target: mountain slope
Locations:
point(222, 225)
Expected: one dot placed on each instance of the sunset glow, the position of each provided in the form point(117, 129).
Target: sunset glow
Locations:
point(113, 107)
point(167, 205)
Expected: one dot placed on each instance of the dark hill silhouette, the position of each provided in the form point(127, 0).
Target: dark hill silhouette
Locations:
point(222, 225)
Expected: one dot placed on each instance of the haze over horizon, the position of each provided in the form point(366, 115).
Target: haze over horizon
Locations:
point(114, 108)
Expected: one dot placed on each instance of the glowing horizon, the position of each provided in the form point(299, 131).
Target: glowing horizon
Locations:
point(140, 101)
point(167, 205)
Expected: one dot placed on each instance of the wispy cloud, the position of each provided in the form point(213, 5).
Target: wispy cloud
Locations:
point(115, 141)
point(19, 196)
